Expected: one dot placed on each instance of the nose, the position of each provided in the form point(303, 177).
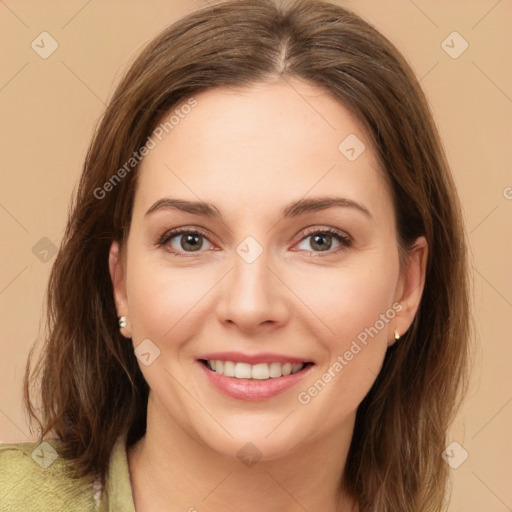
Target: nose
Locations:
point(253, 296)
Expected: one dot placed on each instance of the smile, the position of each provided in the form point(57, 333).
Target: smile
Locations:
point(252, 378)
point(261, 371)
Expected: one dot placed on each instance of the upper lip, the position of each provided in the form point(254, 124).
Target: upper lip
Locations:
point(239, 357)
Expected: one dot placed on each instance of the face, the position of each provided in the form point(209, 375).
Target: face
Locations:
point(269, 299)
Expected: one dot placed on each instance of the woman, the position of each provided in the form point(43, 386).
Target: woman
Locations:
point(260, 301)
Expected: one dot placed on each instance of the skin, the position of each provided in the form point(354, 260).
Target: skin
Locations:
point(260, 147)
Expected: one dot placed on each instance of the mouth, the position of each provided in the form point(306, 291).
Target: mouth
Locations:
point(252, 378)
point(260, 371)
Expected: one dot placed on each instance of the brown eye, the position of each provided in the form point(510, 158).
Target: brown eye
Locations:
point(190, 242)
point(181, 240)
point(322, 240)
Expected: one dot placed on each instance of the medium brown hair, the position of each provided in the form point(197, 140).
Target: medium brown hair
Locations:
point(91, 387)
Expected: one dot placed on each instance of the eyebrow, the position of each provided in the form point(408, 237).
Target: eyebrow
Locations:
point(292, 210)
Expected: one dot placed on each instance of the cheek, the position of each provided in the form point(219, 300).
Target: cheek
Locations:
point(163, 301)
point(356, 304)
point(349, 298)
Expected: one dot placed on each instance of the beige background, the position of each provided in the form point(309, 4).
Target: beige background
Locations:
point(49, 107)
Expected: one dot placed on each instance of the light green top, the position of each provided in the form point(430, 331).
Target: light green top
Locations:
point(34, 478)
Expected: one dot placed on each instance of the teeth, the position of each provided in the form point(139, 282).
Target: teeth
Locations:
point(242, 371)
point(287, 368)
point(275, 370)
point(229, 369)
point(296, 367)
point(261, 371)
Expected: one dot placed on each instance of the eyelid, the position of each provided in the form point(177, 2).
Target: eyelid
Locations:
point(344, 238)
point(173, 232)
point(312, 230)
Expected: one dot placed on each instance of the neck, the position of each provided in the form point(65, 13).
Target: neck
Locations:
point(170, 471)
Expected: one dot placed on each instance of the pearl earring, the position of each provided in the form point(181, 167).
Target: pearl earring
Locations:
point(122, 322)
point(397, 334)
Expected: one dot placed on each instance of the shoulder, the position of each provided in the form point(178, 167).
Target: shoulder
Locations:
point(35, 477)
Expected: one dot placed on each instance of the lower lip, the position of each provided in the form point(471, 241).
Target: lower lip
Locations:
point(253, 389)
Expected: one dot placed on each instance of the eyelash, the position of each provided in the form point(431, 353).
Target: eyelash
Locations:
point(345, 240)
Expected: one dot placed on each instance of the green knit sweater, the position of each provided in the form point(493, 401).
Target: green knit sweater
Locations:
point(34, 478)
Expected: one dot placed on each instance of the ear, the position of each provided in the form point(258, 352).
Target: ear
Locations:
point(410, 287)
point(118, 276)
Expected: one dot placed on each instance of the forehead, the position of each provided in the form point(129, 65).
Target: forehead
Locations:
point(261, 145)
